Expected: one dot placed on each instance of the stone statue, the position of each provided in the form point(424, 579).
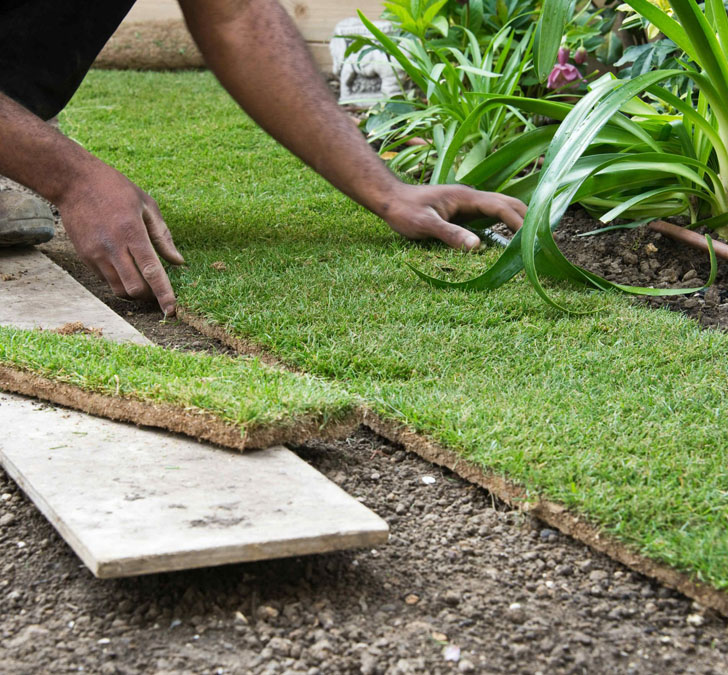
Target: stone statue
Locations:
point(368, 76)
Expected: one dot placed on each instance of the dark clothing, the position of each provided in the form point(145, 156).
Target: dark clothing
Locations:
point(48, 46)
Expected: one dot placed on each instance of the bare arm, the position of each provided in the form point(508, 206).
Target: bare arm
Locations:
point(258, 55)
point(114, 226)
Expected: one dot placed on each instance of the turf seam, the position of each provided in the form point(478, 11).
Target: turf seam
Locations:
point(515, 495)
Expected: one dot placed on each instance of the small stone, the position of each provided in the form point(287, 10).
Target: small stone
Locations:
point(451, 598)
point(598, 575)
point(428, 480)
point(516, 613)
point(466, 666)
point(375, 476)
point(690, 274)
point(650, 249)
point(439, 637)
point(400, 509)
point(547, 533)
point(411, 599)
point(280, 646)
point(451, 653)
point(266, 613)
point(695, 620)
point(320, 650)
point(7, 519)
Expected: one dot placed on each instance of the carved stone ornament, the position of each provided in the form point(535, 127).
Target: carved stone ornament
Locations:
point(367, 76)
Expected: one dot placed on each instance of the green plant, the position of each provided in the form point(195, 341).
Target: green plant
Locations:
point(621, 155)
point(450, 83)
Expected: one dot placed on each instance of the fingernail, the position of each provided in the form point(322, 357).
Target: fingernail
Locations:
point(471, 242)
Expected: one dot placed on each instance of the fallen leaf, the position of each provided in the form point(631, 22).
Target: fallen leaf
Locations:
point(219, 265)
point(388, 155)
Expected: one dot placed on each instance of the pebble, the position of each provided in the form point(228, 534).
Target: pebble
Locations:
point(466, 666)
point(598, 575)
point(516, 614)
point(7, 519)
point(547, 534)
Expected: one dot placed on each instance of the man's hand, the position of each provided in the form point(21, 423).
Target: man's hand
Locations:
point(257, 54)
point(115, 228)
point(426, 212)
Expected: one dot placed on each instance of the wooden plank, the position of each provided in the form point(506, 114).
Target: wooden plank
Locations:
point(133, 501)
point(36, 293)
point(316, 19)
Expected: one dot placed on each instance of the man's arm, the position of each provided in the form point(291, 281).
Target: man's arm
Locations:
point(114, 226)
point(259, 56)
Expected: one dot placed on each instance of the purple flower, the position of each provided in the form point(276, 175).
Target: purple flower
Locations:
point(580, 55)
point(563, 72)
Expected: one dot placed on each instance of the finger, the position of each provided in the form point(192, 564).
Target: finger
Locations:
point(518, 206)
point(452, 235)
point(106, 271)
point(134, 283)
point(161, 236)
point(511, 218)
point(154, 275)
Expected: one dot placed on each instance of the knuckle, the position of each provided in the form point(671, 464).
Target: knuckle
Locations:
point(135, 291)
point(150, 270)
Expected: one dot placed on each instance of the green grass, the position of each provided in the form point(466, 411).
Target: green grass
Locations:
point(619, 414)
point(241, 390)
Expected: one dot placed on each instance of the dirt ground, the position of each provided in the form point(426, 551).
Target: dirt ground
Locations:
point(464, 585)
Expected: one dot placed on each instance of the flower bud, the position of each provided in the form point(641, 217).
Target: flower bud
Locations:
point(580, 55)
point(563, 55)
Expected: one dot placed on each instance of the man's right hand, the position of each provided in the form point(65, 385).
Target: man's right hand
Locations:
point(117, 230)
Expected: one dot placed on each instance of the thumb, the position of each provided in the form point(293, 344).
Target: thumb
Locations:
point(453, 235)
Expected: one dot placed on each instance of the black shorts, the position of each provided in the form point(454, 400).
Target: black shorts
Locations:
point(48, 46)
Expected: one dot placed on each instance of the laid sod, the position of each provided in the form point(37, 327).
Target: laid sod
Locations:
point(618, 414)
point(241, 390)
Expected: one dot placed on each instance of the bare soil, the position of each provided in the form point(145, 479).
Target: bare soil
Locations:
point(462, 578)
point(465, 584)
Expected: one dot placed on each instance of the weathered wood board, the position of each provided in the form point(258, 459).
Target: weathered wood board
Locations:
point(36, 293)
point(135, 501)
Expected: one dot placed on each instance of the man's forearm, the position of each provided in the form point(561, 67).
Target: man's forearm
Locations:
point(35, 154)
point(257, 53)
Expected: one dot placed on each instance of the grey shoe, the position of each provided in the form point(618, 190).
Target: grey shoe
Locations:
point(24, 219)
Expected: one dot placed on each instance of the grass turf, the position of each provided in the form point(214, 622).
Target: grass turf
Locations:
point(240, 390)
point(619, 414)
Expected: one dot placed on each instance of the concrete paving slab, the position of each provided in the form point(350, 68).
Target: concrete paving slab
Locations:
point(134, 501)
point(36, 293)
